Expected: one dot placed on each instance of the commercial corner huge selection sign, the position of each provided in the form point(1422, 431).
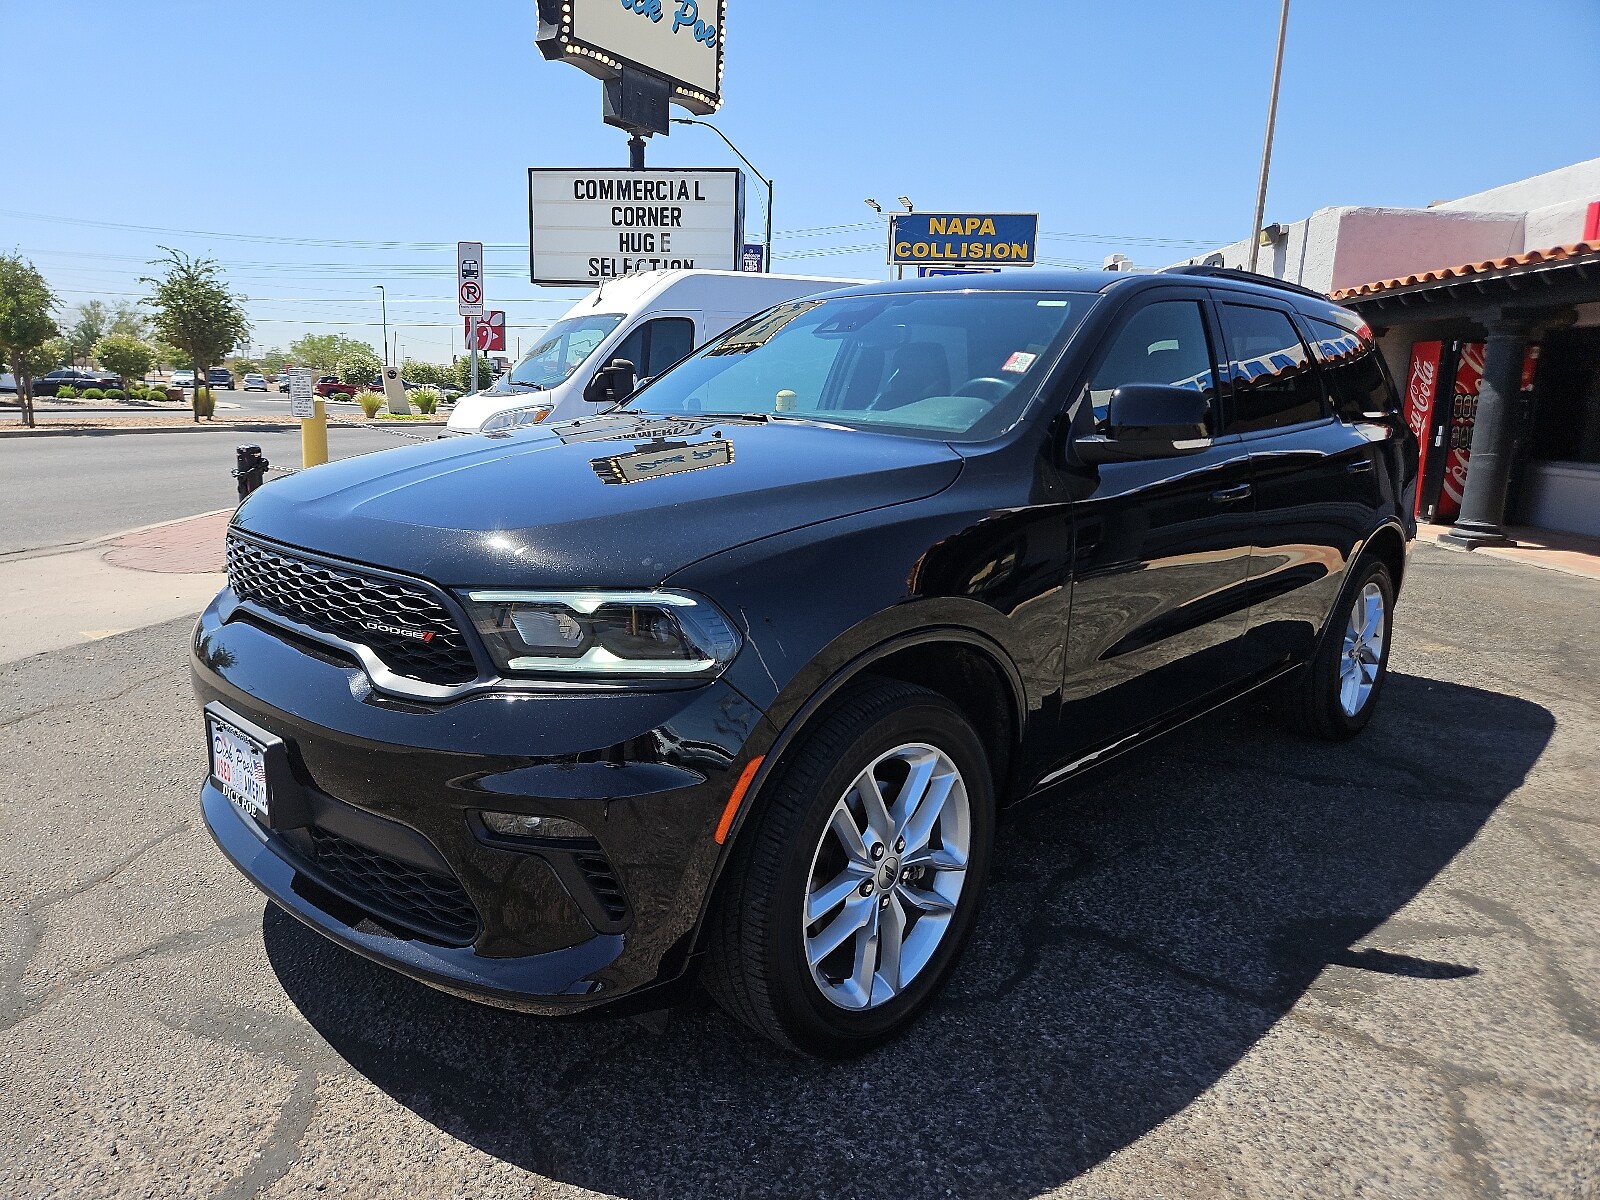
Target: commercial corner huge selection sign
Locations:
point(589, 226)
point(679, 41)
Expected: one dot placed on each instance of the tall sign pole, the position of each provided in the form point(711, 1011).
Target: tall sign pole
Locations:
point(1266, 150)
point(469, 292)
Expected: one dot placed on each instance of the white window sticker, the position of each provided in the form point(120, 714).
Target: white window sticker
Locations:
point(1019, 362)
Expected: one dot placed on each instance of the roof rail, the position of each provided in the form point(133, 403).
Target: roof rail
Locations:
point(1243, 277)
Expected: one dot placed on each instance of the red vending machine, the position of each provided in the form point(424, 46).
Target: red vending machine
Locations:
point(1444, 429)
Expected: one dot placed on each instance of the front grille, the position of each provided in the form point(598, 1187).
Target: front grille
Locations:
point(348, 604)
point(432, 904)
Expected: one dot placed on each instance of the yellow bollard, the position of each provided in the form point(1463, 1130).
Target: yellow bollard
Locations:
point(314, 437)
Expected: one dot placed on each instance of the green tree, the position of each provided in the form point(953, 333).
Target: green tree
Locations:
point(273, 361)
point(168, 356)
point(359, 365)
point(195, 310)
point(26, 325)
point(92, 321)
point(428, 374)
point(322, 351)
point(127, 320)
point(127, 356)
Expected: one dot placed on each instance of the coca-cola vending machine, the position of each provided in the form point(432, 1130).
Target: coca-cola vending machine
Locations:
point(1444, 430)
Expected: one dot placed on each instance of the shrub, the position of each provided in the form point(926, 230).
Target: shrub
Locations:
point(66, 392)
point(205, 404)
point(113, 393)
point(426, 400)
point(371, 402)
point(92, 394)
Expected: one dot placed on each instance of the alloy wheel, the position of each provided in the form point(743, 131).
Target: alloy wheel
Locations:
point(1362, 658)
point(886, 876)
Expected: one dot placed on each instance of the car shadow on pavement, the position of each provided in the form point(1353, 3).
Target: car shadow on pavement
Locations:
point(1142, 933)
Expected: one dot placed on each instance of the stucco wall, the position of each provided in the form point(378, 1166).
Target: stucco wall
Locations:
point(1382, 243)
point(1580, 181)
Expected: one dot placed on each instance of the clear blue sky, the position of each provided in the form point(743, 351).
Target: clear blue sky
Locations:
point(1132, 126)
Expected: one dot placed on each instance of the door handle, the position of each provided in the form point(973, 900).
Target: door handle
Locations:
point(1360, 465)
point(1227, 495)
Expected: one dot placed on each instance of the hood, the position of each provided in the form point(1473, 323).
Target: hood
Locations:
point(612, 501)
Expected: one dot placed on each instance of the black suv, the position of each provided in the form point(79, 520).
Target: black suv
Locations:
point(729, 680)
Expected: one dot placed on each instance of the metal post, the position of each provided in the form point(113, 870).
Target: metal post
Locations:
point(1483, 506)
point(1266, 149)
point(636, 153)
point(474, 336)
point(765, 182)
point(383, 298)
point(314, 437)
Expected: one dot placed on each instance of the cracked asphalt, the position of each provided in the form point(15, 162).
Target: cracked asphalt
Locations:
point(1241, 965)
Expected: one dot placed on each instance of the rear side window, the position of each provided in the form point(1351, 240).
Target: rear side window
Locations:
point(1164, 342)
point(1353, 370)
point(1274, 382)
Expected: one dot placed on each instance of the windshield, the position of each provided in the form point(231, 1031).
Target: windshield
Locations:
point(562, 351)
point(955, 365)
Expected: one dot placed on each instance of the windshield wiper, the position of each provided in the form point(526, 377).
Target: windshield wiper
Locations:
point(528, 387)
point(766, 418)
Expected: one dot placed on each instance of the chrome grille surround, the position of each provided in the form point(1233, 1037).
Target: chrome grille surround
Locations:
point(402, 631)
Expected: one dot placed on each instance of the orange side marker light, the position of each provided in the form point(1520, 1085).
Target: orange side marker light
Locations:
point(737, 798)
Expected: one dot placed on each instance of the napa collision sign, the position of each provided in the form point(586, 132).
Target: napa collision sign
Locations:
point(679, 41)
point(588, 226)
point(965, 239)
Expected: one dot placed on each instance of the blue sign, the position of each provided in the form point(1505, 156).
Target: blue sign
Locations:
point(938, 272)
point(754, 259)
point(972, 239)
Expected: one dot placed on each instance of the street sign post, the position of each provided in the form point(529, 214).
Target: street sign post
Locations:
point(963, 239)
point(589, 226)
point(491, 335)
point(469, 294)
point(754, 259)
point(313, 413)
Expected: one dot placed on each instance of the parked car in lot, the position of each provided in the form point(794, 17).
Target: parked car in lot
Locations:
point(182, 379)
point(255, 383)
point(330, 385)
point(8, 382)
point(789, 626)
point(220, 377)
point(50, 384)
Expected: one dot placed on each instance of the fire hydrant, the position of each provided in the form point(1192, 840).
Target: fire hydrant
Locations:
point(251, 469)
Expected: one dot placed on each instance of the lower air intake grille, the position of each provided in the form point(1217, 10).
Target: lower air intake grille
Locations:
point(431, 904)
point(603, 883)
point(404, 624)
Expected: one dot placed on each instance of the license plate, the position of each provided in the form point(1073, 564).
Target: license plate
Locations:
point(239, 765)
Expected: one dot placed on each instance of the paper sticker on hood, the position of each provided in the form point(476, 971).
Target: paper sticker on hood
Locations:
point(662, 458)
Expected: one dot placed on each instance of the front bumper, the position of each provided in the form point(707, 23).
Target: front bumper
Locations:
point(396, 788)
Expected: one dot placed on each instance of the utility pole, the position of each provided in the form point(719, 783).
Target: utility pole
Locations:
point(1266, 149)
point(383, 298)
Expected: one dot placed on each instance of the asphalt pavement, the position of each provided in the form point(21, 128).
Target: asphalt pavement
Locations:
point(56, 491)
point(1241, 965)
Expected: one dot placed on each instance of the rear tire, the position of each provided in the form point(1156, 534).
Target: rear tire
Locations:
point(815, 865)
point(1333, 696)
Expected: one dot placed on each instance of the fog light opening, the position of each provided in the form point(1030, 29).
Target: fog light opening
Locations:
point(525, 825)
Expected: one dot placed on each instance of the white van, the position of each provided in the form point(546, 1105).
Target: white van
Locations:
point(652, 319)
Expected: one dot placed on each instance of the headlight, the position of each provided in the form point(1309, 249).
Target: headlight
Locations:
point(516, 418)
point(603, 635)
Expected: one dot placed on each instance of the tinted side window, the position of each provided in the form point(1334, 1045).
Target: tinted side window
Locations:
point(1274, 382)
point(671, 339)
point(1164, 342)
point(1352, 369)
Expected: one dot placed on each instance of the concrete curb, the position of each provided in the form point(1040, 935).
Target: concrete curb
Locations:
point(239, 427)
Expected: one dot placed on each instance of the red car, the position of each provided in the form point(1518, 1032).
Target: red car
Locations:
point(329, 386)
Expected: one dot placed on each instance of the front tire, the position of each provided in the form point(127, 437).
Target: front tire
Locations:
point(1333, 697)
point(854, 890)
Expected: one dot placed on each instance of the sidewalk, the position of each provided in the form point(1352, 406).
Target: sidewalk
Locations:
point(1569, 553)
point(123, 582)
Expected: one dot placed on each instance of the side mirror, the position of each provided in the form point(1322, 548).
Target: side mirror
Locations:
point(612, 383)
point(1149, 420)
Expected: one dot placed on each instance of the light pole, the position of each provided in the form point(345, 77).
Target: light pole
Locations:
point(383, 298)
point(1266, 149)
point(746, 162)
point(906, 207)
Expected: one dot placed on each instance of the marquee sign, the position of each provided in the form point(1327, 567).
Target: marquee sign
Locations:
point(589, 226)
point(679, 41)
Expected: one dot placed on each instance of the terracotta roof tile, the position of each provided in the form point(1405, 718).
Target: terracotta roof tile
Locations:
point(1528, 259)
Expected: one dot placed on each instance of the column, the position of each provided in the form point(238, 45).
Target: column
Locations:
point(1483, 506)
